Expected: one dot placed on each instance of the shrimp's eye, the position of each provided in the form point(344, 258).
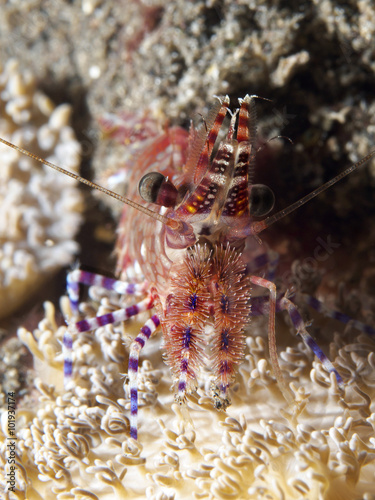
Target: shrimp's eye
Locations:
point(156, 188)
point(262, 200)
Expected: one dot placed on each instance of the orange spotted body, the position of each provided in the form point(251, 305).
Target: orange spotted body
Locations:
point(197, 279)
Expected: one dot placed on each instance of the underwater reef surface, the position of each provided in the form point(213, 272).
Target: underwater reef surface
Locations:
point(316, 62)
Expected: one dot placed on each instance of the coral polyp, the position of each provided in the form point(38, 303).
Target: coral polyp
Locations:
point(40, 210)
point(76, 442)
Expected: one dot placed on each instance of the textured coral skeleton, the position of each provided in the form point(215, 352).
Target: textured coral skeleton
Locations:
point(40, 210)
point(198, 263)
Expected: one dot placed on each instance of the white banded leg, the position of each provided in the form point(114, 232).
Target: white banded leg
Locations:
point(299, 325)
point(339, 316)
point(259, 306)
point(86, 325)
point(79, 277)
point(135, 348)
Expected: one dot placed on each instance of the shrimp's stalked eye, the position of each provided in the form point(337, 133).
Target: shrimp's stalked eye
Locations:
point(156, 188)
point(262, 200)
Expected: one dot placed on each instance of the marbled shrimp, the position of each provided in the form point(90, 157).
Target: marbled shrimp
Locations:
point(190, 227)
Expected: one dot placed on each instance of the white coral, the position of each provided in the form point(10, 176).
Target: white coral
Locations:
point(75, 443)
point(40, 210)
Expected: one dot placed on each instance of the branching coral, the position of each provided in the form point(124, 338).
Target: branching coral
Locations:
point(75, 443)
point(40, 209)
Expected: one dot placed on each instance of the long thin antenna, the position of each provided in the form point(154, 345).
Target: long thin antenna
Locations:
point(173, 224)
point(257, 227)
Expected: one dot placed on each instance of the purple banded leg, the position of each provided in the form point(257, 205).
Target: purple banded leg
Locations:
point(67, 349)
point(272, 336)
point(269, 259)
point(72, 288)
point(137, 345)
point(273, 262)
point(259, 306)
point(89, 324)
point(77, 277)
point(299, 325)
point(343, 318)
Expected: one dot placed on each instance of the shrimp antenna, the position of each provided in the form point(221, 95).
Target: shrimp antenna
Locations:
point(173, 224)
point(257, 227)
